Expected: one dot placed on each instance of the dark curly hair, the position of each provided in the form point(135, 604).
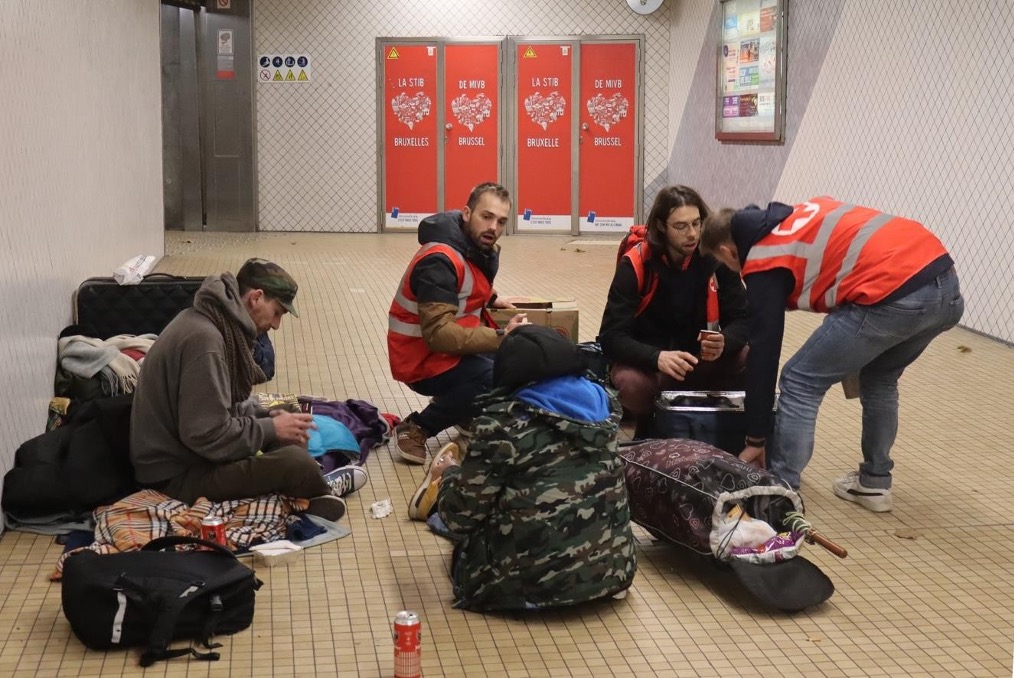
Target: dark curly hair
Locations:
point(668, 199)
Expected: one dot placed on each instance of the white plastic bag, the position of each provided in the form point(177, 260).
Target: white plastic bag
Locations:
point(737, 529)
point(133, 270)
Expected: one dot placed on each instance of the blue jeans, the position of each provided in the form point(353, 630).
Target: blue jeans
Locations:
point(454, 393)
point(878, 342)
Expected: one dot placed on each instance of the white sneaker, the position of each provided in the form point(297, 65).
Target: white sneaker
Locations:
point(849, 488)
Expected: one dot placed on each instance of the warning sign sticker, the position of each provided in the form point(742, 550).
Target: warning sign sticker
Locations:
point(393, 54)
point(298, 68)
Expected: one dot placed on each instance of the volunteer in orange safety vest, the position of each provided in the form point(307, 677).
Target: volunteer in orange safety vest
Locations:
point(888, 287)
point(440, 338)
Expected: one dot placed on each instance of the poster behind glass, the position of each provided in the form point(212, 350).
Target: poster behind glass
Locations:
point(751, 71)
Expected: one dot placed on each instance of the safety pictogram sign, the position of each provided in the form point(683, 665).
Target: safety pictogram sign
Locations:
point(393, 54)
point(297, 68)
point(529, 54)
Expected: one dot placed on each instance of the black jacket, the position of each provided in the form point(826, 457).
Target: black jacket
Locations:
point(677, 312)
point(434, 279)
point(81, 465)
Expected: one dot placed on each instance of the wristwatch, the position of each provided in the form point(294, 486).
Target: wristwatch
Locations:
point(500, 331)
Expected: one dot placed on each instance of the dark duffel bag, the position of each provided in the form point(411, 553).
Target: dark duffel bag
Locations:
point(153, 596)
point(595, 359)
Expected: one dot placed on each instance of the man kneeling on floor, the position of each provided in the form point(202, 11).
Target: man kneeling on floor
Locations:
point(439, 336)
point(539, 504)
point(193, 431)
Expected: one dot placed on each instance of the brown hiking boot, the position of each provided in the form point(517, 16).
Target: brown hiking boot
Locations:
point(411, 443)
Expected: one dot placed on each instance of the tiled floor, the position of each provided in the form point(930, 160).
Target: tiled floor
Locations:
point(926, 590)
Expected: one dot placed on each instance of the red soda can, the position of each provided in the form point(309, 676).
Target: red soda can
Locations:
point(407, 640)
point(213, 529)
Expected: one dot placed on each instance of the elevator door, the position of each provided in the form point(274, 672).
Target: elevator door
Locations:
point(207, 118)
point(182, 184)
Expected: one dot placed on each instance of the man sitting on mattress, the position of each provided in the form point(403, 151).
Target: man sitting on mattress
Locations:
point(193, 431)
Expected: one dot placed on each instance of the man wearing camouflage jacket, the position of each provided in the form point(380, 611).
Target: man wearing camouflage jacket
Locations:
point(539, 503)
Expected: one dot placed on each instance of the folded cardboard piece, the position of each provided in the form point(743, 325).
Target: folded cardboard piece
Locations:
point(560, 314)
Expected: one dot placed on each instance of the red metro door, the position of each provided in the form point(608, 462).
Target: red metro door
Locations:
point(608, 137)
point(471, 119)
point(544, 136)
point(410, 133)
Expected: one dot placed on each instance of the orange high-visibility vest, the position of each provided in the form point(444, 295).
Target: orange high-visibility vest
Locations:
point(647, 288)
point(840, 253)
point(411, 359)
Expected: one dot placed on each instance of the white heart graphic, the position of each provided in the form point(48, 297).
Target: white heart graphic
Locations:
point(411, 110)
point(543, 110)
point(471, 111)
point(608, 112)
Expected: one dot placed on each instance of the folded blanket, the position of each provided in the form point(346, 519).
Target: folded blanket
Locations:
point(138, 518)
point(87, 356)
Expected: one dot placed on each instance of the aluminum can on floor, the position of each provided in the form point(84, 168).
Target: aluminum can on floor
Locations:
point(213, 529)
point(407, 641)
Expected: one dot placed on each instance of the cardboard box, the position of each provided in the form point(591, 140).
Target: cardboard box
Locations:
point(560, 314)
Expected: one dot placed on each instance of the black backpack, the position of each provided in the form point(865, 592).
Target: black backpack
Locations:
point(152, 597)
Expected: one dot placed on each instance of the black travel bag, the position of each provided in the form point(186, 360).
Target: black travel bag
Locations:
point(107, 308)
point(153, 596)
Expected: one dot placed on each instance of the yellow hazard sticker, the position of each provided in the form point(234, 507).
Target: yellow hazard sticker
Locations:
point(393, 54)
point(290, 76)
point(529, 54)
point(302, 76)
point(278, 76)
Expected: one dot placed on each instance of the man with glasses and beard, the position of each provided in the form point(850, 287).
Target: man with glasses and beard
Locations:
point(674, 318)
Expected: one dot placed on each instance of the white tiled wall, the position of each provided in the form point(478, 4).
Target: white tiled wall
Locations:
point(907, 107)
point(80, 176)
point(316, 143)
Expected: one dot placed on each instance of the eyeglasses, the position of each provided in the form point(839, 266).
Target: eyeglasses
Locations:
point(682, 226)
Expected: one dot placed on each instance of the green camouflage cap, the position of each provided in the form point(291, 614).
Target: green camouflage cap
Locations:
point(261, 274)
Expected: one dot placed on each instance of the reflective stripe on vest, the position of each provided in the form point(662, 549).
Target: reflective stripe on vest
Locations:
point(467, 285)
point(410, 357)
point(830, 249)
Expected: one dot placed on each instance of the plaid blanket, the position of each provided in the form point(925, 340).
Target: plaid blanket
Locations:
point(136, 519)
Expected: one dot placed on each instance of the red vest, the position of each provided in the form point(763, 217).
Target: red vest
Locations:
point(646, 289)
point(841, 254)
point(411, 359)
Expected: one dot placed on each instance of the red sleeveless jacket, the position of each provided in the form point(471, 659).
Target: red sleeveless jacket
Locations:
point(840, 253)
point(411, 359)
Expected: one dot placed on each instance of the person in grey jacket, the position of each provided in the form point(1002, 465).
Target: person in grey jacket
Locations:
point(194, 431)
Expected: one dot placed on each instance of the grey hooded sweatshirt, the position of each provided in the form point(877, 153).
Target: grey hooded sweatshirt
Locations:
point(183, 414)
